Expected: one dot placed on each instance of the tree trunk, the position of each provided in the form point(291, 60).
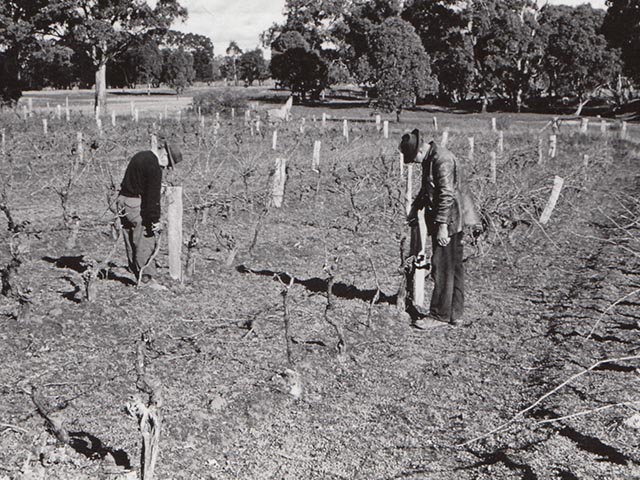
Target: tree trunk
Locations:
point(101, 88)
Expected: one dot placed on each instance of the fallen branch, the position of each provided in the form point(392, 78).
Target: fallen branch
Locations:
point(617, 302)
point(587, 412)
point(54, 425)
point(521, 413)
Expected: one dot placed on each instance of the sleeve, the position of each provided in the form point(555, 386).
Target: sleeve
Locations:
point(443, 179)
point(150, 208)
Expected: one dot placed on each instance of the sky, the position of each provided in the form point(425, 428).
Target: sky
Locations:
point(244, 20)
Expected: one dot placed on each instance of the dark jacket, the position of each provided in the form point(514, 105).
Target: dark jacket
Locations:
point(143, 179)
point(442, 190)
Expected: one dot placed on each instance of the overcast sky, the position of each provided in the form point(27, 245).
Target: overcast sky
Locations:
point(244, 20)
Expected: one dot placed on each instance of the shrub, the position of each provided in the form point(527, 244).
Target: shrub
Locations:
point(221, 101)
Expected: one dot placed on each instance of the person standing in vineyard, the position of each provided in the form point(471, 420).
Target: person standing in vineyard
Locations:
point(139, 210)
point(448, 208)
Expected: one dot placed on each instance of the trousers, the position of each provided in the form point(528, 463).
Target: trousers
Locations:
point(139, 241)
point(447, 271)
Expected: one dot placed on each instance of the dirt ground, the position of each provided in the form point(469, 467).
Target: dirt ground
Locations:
point(491, 399)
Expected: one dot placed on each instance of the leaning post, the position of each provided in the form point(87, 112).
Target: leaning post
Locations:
point(174, 226)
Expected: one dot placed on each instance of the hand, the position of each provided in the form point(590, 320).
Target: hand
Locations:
point(443, 235)
point(156, 227)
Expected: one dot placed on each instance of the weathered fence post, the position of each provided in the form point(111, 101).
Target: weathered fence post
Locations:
point(324, 120)
point(493, 167)
point(435, 123)
point(378, 122)
point(233, 114)
point(136, 115)
point(132, 110)
point(445, 138)
point(409, 191)
point(494, 125)
point(345, 129)
point(558, 182)
point(45, 127)
point(603, 126)
point(472, 145)
point(540, 152)
point(80, 148)
point(99, 126)
point(274, 140)
point(279, 181)
point(501, 142)
point(154, 143)
point(315, 164)
point(585, 160)
point(584, 125)
point(302, 125)
point(59, 112)
point(553, 146)
point(385, 129)
point(30, 102)
point(113, 118)
point(66, 109)
point(174, 227)
point(623, 131)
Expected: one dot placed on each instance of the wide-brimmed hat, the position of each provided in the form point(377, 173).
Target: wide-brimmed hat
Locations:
point(173, 153)
point(409, 145)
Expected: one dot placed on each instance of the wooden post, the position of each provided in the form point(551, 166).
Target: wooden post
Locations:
point(80, 147)
point(623, 131)
point(585, 160)
point(494, 125)
point(445, 137)
point(322, 95)
point(603, 126)
point(558, 182)
point(30, 102)
point(274, 141)
point(113, 118)
point(315, 164)
point(409, 191)
point(378, 123)
point(45, 128)
point(345, 129)
point(419, 274)
point(553, 145)
point(59, 112)
point(136, 115)
point(435, 123)
point(302, 125)
point(99, 126)
point(472, 145)
point(154, 143)
point(247, 117)
point(279, 180)
point(493, 166)
point(324, 120)
point(233, 114)
point(202, 124)
point(500, 142)
point(385, 129)
point(401, 163)
point(540, 152)
point(258, 123)
point(25, 113)
point(174, 227)
point(67, 113)
point(584, 125)
point(133, 110)
point(97, 112)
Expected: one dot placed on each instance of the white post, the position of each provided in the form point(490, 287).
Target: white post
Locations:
point(385, 129)
point(435, 123)
point(345, 129)
point(30, 102)
point(97, 112)
point(258, 123)
point(154, 143)
point(445, 137)
point(274, 142)
point(45, 128)
point(99, 125)
point(80, 147)
point(247, 117)
point(202, 124)
point(113, 118)
point(133, 110)
point(378, 123)
point(409, 191)
point(302, 125)
point(623, 131)
point(25, 112)
point(584, 125)
point(500, 142)
point(494, 126)
point(553, 145)
point(324, 120)
point(67, 113)
point(315, 164)
point(233, 113)
point(603, 126)
point(59, 112)
point(401, 159)
point(540, 152)
point(472, 144)
point(136, 115)
point(558, 182)
point(493, 166)
point(585, 160)
point(279, 180)
point(174, 227)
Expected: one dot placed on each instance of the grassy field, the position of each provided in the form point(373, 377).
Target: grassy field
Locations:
point(545, 303)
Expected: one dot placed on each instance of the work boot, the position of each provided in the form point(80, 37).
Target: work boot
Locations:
point(427, 323)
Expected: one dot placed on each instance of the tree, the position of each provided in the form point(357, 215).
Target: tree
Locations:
point(178, 71)
point(105, 28)
point(443, 28)
point(140, 63)
point(233, 54)
point(302, 71)
point(201, 49)
point(621, 27)
point(578, 59)
point(400, 66)
point(252, 66)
